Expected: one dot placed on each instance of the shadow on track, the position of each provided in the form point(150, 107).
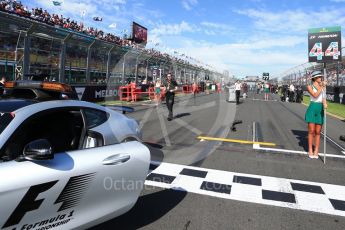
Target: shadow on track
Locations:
point(302, 137)
point(182, 115)
point(148, 209)
point(155, 151)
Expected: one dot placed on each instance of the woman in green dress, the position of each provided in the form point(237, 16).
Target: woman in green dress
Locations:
point(315, 112)
point(266, 90)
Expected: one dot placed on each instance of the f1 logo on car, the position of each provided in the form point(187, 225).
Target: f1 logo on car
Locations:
point(28, 203)
point(68, 197)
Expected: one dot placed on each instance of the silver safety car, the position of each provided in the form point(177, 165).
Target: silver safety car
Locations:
point(65, 164)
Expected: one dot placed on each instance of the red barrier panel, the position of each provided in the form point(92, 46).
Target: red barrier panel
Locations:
point(152, 93)
point(132, 93)
point(187, 89)
point(125, 93)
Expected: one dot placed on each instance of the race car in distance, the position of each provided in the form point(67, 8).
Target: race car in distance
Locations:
point(65, 164)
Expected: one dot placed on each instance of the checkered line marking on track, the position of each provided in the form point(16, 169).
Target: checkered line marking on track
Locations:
point(281, 192)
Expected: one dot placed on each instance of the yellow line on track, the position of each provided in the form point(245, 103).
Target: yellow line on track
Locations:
point(235, 141)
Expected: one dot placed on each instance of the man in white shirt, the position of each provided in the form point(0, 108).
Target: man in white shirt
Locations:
point(292, 88)
point(291, 93)
point(238, 87)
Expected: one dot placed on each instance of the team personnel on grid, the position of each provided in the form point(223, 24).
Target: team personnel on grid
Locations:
point(291, 93)
point(158, 91)
point(170, 88)
point(266, 90)
point(315, 112)
point(194, 88)
point(238, 87)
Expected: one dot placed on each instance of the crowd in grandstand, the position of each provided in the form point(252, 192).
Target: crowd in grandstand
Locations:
point(332, 78)
point(16, 7)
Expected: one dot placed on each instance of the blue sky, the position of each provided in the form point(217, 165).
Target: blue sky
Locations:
point(245, 37)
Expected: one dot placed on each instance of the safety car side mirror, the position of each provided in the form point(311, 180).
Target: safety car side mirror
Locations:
point(40, 149)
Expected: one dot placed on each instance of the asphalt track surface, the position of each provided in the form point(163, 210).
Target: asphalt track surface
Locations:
point(179, 205)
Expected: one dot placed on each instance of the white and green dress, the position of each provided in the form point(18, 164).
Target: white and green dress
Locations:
point(315, 113)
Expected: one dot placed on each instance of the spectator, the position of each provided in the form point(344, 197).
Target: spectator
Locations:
point(39, 14)
point(291, 93)
point(245, 89)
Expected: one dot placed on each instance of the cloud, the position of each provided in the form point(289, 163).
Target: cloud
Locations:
point(75, 7)
point(208, 28)
point(251, 57)
point(69, 8)
point(189, 4)
point(113, 25)
point(109, 2)
point(294, 21)
point(173, 29)
point(216, 25)
point(211, 28)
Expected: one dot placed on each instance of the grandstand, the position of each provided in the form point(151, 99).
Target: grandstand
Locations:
point(299, 75)
point(30, 44)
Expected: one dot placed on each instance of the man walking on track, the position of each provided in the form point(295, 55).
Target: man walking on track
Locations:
point(194, 90)
point(238, 87)
point(170, 88)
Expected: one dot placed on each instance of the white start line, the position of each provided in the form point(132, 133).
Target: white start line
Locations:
point(277, 150)
point(280, 192)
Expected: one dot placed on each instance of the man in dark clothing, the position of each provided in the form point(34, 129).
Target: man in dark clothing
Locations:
point(238, 87)
point(170, 88)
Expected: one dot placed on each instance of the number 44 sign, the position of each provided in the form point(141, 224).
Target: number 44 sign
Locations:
point(324, 44)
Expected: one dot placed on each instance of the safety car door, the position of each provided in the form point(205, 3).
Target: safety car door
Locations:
point(121, 171)
point(78, 188)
